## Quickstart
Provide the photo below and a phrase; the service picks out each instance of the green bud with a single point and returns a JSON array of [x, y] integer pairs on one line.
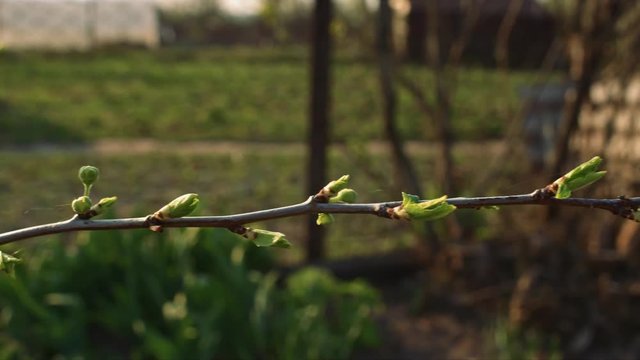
[[336, 185], [179, 207], [103, 205], [344, 196], [583, 175], [7, 262], [81, 205], [414, 209], [324, 219], [88, 174], [265, 238]]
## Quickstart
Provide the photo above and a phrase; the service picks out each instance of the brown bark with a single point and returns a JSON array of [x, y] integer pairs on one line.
[[417, 31], [404, 172], [442, 113]]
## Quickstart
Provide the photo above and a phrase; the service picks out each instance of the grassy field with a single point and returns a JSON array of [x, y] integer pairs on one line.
[[238, 94], [208, 95]]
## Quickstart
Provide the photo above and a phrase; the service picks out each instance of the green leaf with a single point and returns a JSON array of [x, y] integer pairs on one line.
[[414, 209], [8, 262], [582, 175], [344, 196], [563, 191], [265, 238], [585, 180], [324, 219], [336, 185], [409, 199]]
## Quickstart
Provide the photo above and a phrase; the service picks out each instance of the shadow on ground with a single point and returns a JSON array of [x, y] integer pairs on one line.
[[24, 126]]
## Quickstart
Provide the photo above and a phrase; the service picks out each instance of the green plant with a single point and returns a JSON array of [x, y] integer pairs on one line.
[[174, 302], [193, 293], [512, 343]]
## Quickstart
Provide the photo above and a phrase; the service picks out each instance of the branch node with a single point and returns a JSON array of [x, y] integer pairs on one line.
[[153, 223], [386, 211]]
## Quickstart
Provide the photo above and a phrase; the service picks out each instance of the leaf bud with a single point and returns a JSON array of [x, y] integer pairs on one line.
[[324, 219], [81, 205], [179, 207], [344, 196], [103, 205], [88, 175], [582, 175], [336, 185]]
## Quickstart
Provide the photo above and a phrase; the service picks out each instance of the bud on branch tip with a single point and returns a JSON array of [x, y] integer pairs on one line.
[[583, 175], [88, 175], [413, 208]]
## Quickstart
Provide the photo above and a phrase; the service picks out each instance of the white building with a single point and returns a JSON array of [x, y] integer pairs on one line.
[[77, 24]]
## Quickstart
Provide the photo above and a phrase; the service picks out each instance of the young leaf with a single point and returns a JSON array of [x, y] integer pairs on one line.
[[582, 175], [414, 209], [336, 185], [178, 207], [103, 205], [265, 238], [8, 262], [324, 219], [344, 196]]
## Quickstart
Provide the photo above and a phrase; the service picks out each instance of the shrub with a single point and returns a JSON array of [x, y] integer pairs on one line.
[[194, 293]]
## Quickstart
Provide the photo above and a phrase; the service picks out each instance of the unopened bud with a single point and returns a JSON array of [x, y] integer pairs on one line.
[[344, 195], [103, 205], [81, 205], [179, 207], [88, 175]]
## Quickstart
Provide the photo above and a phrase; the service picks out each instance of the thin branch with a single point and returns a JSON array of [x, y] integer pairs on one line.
[[621, 206]]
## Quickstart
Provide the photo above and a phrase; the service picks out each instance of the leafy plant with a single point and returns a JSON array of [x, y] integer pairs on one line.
[[191, 293]]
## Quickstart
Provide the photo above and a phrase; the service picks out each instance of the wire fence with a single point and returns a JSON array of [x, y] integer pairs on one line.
[[77, 24]]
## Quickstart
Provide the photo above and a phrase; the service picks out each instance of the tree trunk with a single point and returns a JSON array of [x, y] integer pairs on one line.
[[405, 174], [319, 109], [417, 31]]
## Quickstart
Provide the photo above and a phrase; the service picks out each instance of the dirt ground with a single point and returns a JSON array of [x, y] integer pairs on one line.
[[408, 332]]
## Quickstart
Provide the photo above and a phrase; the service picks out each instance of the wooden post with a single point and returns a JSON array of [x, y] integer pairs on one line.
[[319, 109]]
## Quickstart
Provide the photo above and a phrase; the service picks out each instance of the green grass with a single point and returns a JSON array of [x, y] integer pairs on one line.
[[236, 94]]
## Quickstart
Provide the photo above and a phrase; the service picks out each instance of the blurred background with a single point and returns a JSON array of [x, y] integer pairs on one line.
[[255, 104]]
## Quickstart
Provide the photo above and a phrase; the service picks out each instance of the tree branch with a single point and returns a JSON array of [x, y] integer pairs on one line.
[[621, 206]]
